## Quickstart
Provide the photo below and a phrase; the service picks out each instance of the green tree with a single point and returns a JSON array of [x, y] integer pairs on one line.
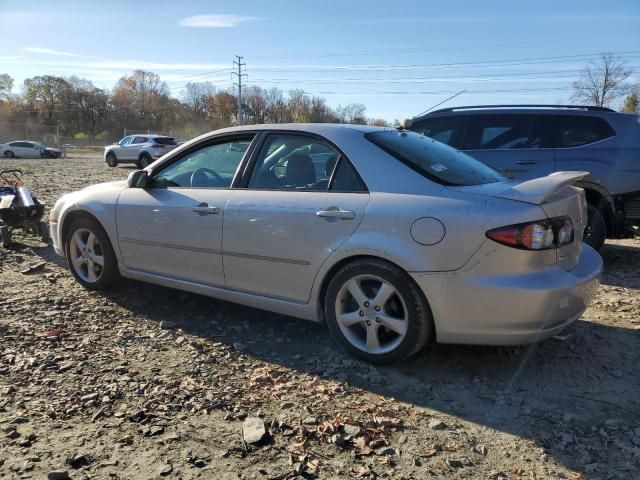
[[631, 103], [6, 84], [46, 94]]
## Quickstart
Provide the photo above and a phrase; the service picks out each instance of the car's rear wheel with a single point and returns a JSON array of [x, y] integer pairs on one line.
[[596, 232], [376, 312], [145, 160], [8, 154], [112, 160], [90, 255]]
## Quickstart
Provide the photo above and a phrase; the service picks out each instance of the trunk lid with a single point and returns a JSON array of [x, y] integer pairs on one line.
[[555, 196]]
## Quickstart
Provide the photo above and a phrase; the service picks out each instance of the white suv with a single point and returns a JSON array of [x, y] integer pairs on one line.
[[142, 150]]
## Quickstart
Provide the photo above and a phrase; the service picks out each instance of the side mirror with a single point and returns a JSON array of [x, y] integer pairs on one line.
[[138, 179]]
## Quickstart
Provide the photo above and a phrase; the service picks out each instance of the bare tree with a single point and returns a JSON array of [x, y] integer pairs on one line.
[[602, 81]]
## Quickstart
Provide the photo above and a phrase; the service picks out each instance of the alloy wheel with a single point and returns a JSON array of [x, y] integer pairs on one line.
[[371, 314], [86, 255]]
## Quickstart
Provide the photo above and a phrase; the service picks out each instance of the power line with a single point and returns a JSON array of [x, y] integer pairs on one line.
[[475, 64], [422, 49]]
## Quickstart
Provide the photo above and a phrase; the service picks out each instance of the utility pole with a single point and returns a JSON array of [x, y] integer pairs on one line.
[[238, 63]]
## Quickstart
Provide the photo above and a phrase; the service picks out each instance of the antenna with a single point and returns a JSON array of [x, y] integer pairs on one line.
[[444, 101]]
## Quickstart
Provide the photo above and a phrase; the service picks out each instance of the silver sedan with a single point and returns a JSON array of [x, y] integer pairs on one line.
[[392, 238]]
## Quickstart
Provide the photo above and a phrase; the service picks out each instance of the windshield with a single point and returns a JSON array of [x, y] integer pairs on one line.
[[434, 160]]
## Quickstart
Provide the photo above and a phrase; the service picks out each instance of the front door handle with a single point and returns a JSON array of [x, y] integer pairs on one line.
[[205, 209], [526, 162], [335, 212]]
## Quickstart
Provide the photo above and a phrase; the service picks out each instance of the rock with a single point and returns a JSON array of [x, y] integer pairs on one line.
[[253, 430], [25, 442], [200, 463], [388, 451], [287, 405], [11, 434], [453, 463], [77, 460], [352, 430], [310, 420], [153, 431], [88, 398], [435, 424], [58, 475], [27, 466], [337, 440], [17, 420], [166, 470]]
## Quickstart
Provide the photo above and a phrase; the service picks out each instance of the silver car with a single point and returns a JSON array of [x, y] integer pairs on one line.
[[392, 238], [139, 149], [22, 149]]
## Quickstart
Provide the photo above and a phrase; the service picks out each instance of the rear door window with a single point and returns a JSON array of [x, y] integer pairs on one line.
[[165, 140], [504, 132], [577, 130], [442, 129], [434, 160], [140, 140]]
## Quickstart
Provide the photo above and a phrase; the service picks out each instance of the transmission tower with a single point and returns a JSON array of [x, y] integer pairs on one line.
[[238, 63]]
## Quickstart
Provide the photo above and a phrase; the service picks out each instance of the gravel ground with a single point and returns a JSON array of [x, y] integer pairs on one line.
[[148, 382]]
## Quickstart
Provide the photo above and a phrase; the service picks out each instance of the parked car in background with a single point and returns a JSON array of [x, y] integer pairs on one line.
[[393, 238], [528, 141], [28, 149], [139, 149]]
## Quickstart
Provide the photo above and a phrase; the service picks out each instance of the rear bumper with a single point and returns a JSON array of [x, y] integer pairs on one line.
[[522, 308]]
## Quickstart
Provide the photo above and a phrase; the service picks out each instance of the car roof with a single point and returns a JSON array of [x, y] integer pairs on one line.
[[522, 109], [317, 128]]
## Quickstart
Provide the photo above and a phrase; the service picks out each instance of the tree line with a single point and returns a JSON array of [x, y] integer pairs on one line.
[[74, 108], [142, 101]]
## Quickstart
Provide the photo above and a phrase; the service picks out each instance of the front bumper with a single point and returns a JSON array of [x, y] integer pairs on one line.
[[56, 240], [475, 308]]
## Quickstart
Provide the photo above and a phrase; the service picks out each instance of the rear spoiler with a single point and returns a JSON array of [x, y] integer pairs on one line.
[[539, 190]]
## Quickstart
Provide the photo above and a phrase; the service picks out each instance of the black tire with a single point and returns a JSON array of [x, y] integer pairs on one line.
[[109, 274], [9, 154], [420, 321], [112, 160], [596, 232], [43, 231], [5, 236], [145, 160]]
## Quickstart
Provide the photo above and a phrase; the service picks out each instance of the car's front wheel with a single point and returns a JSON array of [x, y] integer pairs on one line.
[[8, 154], [112, 160], [376, 312], [90, 255]]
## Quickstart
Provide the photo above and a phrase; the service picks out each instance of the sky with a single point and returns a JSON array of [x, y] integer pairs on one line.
[[396, 58]]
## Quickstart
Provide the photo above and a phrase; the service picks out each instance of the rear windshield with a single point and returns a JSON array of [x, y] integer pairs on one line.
[[165, 140], [434, 160]]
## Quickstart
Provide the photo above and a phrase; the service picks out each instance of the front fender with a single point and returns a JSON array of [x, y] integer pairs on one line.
[[99, 203]]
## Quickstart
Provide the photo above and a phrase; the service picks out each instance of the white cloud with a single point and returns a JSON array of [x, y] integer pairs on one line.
[[214, 21], [49, 51]]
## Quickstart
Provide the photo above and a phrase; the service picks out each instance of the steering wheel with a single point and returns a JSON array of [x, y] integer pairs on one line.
[[199, 177]]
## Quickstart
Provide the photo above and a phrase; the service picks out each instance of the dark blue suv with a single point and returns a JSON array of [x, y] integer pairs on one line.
[[528, 141]]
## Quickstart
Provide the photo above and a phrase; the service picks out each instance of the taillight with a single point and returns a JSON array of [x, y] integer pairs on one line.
[[538, 235]]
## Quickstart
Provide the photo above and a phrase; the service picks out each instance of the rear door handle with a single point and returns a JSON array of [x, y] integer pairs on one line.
[[526, 162], [335, 212], [204, 209]]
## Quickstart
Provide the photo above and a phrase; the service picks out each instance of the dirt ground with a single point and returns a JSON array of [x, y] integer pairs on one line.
[[148, 382]]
